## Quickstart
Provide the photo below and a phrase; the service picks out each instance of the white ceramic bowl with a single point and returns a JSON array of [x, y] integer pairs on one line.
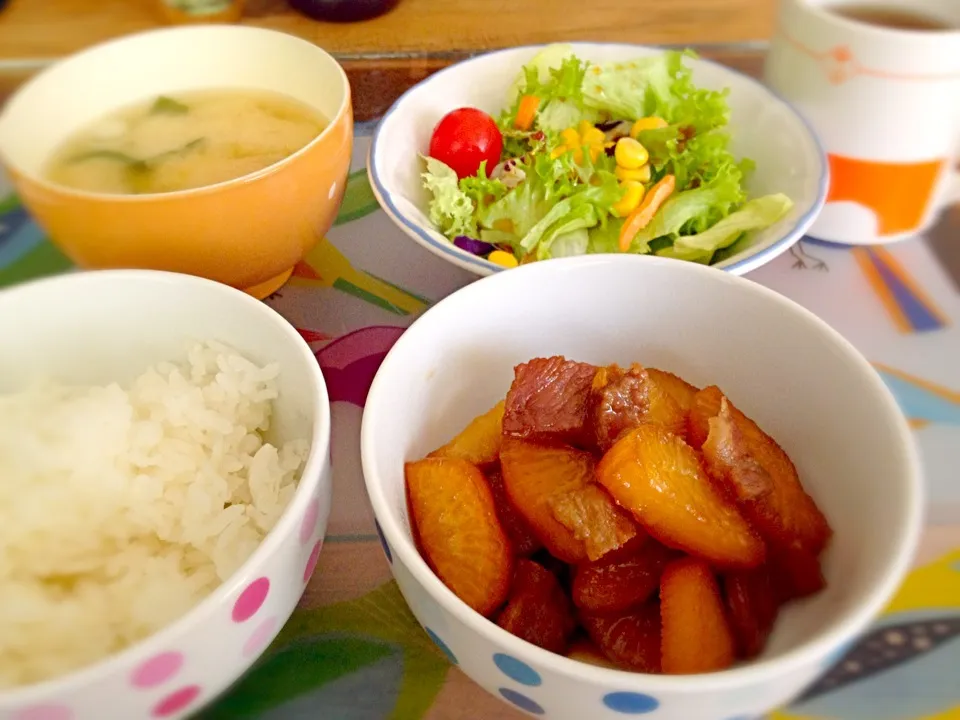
[[765, 128], [799, 379], [103, 326]]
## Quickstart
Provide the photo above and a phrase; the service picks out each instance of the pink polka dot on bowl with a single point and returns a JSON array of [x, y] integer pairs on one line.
[[309, 522], [251, 599], [312, 561], [260, 638], [44, 712], [157, 670], [176, 701]]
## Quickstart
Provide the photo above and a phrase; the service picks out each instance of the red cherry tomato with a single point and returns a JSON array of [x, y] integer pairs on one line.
[[464, 138]]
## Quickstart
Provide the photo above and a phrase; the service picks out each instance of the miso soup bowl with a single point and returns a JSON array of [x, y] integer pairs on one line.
[[797, 377], [249, 232]]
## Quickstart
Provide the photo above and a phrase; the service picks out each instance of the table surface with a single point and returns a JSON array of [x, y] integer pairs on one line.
[[900, 305], [31, 29]]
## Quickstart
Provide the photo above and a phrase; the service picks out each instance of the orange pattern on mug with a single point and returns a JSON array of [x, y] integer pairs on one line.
[[840, 65], [897, 193]]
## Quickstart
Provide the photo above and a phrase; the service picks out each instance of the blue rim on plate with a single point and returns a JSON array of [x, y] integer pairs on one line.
[[465, 259]]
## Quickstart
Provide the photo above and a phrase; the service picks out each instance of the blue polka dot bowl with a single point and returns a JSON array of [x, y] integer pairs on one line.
[[801, 381]]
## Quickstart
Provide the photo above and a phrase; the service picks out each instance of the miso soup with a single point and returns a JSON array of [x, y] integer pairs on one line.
[[184, 141]]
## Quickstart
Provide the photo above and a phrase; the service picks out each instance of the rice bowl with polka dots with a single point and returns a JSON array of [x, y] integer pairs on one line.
[[175, 487], [164, 491]]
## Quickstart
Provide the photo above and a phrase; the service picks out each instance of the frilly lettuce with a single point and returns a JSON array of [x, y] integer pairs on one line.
[[451, 209], [538, 72], [659, 85], [481, 189], [556, 76]]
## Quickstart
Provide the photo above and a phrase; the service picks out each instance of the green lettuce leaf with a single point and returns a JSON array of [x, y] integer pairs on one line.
[[695, 145], [553, 189], [660, 85], [558, 212], [686, 104], [482, 190], [549, 203], [605, 237], [570, 244], [559, 114], [555, 75], [537, 72], [556, 241], [692, 211], [451, 209], [584, 208], [559, 176], [499, 237], [627, 90], [754, 215], [523, 207]]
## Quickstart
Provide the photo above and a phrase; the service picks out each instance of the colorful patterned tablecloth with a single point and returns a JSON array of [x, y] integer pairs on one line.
[[353, 651]]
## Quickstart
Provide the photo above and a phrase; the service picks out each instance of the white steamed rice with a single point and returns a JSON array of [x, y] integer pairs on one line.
[[121, 508]]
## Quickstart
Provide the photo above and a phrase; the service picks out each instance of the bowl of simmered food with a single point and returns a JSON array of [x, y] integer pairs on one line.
[[219, 151], [635, 485], [165, 490]]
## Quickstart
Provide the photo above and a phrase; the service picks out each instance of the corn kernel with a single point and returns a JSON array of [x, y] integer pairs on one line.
[[557, 152], [503, 259], [595, 152], [585, 126], [641, 175], [647, 123], [570, 137], [592, 136], [503, 225], [578, 155], [633, 193], [630, 154]]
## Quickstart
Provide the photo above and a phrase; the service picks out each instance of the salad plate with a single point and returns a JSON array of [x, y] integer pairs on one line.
[[594, 148]]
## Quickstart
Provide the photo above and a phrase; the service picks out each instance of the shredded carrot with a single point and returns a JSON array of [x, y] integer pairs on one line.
[[526, 112], [641, 217]]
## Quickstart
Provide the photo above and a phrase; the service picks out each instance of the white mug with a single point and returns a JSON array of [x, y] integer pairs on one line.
[[885, 103]]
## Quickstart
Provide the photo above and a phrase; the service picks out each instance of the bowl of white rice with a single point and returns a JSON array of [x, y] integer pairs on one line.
[[164, 491]]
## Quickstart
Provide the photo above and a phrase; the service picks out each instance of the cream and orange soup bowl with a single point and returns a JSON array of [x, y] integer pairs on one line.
[[218, 151]]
